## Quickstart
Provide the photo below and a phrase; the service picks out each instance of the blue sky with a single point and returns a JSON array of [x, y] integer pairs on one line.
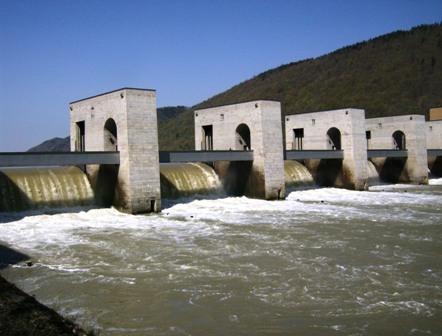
[[53, 52]]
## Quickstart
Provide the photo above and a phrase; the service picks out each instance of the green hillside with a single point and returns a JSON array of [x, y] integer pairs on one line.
[[394, 74]]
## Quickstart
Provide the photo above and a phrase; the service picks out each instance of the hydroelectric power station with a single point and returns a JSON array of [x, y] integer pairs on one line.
[[239, 150]]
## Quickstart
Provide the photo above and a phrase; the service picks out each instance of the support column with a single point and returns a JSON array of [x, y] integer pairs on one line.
[[253, 126], [342, 129], [124, 120], [401, 132]]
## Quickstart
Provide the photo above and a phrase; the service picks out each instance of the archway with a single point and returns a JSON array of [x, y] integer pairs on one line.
[[399, 140], [334, 139], [242, 137], [110, 136]]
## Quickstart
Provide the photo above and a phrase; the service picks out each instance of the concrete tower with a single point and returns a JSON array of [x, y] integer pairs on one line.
[[253, 126], [124, 120], [332, 130], [400, 133]]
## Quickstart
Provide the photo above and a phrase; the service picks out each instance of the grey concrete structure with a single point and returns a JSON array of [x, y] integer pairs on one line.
[[206, 156], [124, 120], [434, 143], [253, 126], [342, 129], [401, 133], [39, 159]]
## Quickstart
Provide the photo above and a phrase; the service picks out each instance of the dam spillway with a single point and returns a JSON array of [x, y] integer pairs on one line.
[[63, 187], [188, 179], [296, 175], [35, 188]]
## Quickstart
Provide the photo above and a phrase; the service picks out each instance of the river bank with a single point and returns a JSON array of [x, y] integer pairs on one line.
[[21, 314]]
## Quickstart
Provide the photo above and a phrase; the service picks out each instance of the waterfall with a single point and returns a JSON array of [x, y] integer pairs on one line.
[[373, 175], [187, 179], [296, 175], [34, 188]]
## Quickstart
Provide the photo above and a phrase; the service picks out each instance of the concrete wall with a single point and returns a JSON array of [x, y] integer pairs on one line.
[[134, 186], [414, 169], [434, 141], [229, 124], [434, 134], [318, 131]]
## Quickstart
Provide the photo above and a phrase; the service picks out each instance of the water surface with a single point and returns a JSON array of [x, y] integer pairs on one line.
[[322, 262]]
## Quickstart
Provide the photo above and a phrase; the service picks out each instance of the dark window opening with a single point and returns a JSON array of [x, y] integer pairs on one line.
[[334, 139], [242, 138], [79, 138], [399, 140], [207, 138], [152, 205], [110, 136], [368, 137], [298, 134]]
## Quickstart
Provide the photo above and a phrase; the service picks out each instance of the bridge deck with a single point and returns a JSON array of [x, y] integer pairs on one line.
[[313, 154], [434, 152], [206, 156], [35, 159], [387, 153]]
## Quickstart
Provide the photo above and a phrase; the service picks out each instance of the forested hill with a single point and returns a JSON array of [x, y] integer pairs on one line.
[[394, 74]]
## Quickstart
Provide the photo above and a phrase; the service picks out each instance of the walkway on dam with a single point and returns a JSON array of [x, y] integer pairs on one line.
[[36, 159]]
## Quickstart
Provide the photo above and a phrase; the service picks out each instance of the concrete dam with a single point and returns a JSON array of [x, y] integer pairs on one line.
[[239, 150], [64, 187]]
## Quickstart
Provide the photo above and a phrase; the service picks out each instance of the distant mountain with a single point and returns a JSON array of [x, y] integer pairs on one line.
[[53, 145], [394, 74], [63, 145], [169, 112]]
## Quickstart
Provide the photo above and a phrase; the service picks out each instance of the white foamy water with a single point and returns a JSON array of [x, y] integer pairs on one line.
[[322, 262]]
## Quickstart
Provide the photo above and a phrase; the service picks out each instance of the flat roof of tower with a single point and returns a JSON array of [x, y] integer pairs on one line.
[[105, 93], [238, 103]]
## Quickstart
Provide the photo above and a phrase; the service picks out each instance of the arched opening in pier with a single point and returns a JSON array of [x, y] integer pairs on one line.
[[242, 138], [334, 139], [110, 136], [399, 140]]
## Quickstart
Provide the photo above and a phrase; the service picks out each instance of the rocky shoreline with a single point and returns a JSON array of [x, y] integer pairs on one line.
[[21, 314]]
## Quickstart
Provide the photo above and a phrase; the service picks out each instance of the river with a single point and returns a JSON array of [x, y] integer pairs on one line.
[[322, 262]]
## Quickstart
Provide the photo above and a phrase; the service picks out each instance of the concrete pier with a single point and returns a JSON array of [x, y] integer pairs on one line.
[[400, 133], [256, 126], [434, 142], [336, 130], [124, 120]]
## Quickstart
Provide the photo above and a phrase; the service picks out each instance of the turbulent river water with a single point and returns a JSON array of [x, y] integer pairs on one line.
[[322, 262]]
